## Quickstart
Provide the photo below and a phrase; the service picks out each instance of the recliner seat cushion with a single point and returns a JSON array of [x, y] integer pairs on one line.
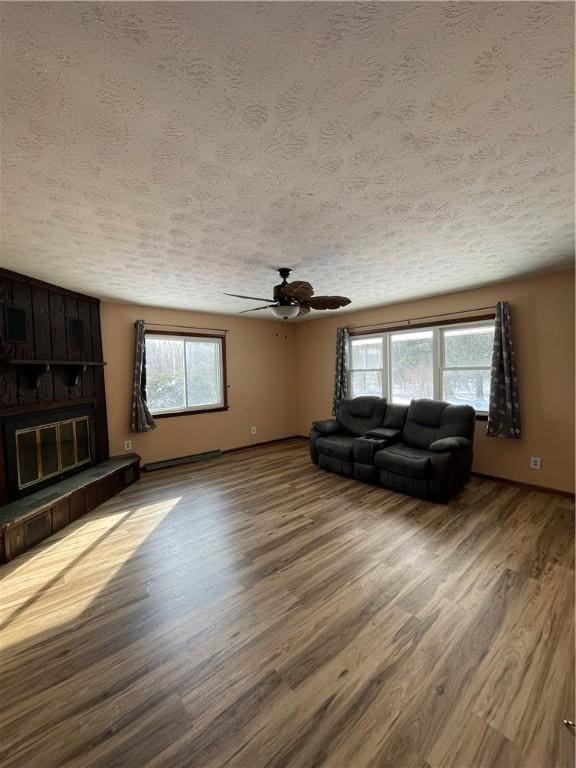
[[402, 459], [337, 446]]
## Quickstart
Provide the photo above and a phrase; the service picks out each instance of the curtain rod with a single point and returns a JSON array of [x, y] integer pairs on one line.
[[189, 327], [411, 320]]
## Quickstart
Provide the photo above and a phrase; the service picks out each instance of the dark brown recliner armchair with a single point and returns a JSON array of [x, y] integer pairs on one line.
[[332, 440], [433, 457], [423, 450]]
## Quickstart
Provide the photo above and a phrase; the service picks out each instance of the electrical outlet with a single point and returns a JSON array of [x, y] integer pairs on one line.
[[535, 462], [127, 445], [253, 430]]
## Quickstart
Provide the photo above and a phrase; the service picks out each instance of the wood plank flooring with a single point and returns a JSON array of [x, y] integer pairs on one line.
[[255, 611]]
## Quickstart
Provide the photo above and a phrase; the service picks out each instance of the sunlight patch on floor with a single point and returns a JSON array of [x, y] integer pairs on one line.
[[77, 566]]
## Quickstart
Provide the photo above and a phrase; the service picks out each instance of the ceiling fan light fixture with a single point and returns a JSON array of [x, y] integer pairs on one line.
[[295, 299], [286, 311]]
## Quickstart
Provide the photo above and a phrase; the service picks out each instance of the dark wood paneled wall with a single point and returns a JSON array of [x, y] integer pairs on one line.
[[48, 308]]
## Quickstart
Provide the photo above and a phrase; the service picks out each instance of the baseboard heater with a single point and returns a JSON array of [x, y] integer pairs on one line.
[[192, 459]]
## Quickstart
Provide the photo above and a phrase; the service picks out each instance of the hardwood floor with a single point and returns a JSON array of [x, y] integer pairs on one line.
[[255, 611]]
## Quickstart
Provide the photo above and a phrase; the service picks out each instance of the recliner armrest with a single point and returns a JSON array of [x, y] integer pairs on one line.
[[327, 427], [450, 445], [384, 433]]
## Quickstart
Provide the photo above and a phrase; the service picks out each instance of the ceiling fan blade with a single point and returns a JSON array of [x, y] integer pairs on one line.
[[299, 290], [304, 309], [328, 302], [256, 309], [239, 296]]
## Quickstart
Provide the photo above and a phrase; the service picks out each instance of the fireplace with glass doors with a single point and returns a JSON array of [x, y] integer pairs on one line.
[[42, 448]]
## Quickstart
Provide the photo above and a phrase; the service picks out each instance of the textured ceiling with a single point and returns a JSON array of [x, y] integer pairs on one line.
[[163, 153]]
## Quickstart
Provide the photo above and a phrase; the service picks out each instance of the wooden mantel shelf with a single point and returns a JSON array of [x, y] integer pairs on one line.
[[35, 368]]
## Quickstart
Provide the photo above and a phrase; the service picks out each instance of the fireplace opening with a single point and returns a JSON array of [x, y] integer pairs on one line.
[[44, 448], [46, 451]]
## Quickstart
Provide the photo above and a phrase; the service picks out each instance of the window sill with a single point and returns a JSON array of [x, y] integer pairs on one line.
[[481, 417], [170, 414]]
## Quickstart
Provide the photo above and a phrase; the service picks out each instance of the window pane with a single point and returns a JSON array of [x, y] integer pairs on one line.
[[366, 353], [468, 347], [366, 383], [165, 387], [411, 362], [203, 373], [467, 388]]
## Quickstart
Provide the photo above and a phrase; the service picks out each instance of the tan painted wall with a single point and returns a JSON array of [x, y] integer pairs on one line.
[[280, 377], [543, 322], [261, 379]]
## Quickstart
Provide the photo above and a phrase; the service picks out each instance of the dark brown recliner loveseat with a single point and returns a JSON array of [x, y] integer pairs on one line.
[[424, 449]]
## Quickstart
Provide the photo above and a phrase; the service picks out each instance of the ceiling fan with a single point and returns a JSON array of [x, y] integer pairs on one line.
[[294, 299]]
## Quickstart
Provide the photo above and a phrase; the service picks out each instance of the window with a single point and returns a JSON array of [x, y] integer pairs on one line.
[[466, 359], [411, 365], [366, 369], [449, 362], [184, 373]]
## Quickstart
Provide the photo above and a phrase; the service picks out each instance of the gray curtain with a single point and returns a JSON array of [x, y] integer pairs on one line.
[[504, 409], [341, 371], [142, 420]]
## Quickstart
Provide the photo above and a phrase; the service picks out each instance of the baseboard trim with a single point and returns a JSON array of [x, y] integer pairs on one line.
[[180, 461], [194, 458], [264, 443], [528, 486]]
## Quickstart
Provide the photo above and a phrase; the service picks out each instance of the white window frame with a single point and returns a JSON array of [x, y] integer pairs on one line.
[[222, 404], [385, 366], [438, 355]]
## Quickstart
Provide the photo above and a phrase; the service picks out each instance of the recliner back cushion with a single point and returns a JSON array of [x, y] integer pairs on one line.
[[458, 421], [395, 416], [430, 420], [361, 414]]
